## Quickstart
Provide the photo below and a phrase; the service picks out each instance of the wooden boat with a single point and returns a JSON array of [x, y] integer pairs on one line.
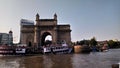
[[6, 50], [56, 49], [12, 50], [105, 48], [20, 50]]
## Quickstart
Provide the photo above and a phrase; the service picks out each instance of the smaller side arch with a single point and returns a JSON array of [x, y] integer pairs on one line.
[[29, 40]]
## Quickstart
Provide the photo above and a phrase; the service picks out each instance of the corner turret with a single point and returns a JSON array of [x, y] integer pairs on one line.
[[37, 17], [55, 16], [10, 38], [10, 32]]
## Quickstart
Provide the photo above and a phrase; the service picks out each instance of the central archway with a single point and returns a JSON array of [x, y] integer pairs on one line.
[[43, 38]]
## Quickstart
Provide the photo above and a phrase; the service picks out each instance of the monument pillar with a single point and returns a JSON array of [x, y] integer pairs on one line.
[[36, 32], [54, 36]]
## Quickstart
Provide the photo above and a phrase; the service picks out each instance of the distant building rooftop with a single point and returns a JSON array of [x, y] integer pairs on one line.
[[26, 22]]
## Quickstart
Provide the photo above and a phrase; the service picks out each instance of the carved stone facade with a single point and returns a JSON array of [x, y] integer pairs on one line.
[[35, 34]]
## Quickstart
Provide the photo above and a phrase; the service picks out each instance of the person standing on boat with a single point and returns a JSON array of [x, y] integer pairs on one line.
[[52, 50], [44, 49]]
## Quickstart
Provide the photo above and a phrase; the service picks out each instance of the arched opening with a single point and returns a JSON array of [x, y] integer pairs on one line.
[[49, 37], [29, 41], [46, 39], [29, 44]]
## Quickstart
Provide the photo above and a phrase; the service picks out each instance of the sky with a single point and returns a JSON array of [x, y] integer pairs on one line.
[[88, 18]]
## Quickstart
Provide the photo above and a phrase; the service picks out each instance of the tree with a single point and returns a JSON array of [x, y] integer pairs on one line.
[[113, 44], [93, 42], [83, 42]]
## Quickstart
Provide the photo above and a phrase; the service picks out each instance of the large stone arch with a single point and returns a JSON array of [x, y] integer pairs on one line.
[[43, 36]]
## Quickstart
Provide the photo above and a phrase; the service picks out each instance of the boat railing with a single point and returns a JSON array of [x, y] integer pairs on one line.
[[54, 48]]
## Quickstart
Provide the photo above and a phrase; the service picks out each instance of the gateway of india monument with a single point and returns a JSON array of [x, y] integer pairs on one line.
[[35, 34]]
